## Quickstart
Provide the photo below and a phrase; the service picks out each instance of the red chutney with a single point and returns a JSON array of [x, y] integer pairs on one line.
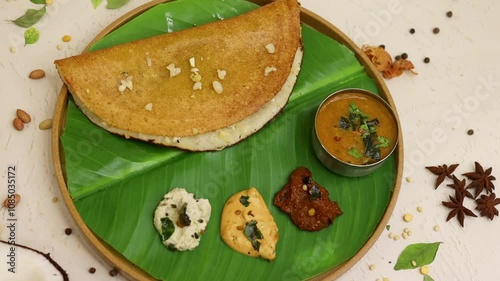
[[306, 202], [343, 143]]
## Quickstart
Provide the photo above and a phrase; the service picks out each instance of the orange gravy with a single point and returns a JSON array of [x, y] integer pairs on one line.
[[338, 141]]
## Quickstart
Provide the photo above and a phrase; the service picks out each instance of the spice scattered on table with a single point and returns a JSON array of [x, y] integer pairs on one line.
[[442, 171], [481, 180], [427, 60], [385, 64], [113, 272], [435, 30], [449, 14], [486, 205], [92, 270], [412, 30], [470, 132], [68, 231]]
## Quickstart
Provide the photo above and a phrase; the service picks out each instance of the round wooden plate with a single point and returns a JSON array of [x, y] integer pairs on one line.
[[130, 270]]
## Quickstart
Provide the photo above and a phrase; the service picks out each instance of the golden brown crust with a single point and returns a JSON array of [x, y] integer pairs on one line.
[[235, 45]]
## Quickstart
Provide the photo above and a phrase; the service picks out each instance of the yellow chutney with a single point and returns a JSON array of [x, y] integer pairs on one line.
[[356, 128]]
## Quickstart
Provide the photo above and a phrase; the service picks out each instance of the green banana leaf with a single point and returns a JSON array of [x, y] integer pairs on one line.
[[116, 184]]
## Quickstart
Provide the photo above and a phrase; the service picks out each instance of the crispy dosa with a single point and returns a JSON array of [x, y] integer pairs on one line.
[[136, 90]]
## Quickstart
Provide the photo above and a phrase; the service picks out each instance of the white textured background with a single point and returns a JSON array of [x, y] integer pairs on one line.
[[457, 91]]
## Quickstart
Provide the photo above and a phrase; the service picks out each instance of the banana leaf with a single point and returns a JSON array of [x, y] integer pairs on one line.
[[116, 184]]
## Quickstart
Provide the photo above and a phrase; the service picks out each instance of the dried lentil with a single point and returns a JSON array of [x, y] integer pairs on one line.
[[66, 38], [408, 217], [424, 270]]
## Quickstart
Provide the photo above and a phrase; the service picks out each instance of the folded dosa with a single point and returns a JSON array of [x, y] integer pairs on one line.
[[136, 90]]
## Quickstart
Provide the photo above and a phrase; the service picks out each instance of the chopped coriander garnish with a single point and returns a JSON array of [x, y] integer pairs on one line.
[[383, 142], [354, 153]]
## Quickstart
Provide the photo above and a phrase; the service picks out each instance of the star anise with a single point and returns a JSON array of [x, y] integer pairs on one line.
[[459, 186], [458, 209], [486, 205], [442, 172], [481, 179]]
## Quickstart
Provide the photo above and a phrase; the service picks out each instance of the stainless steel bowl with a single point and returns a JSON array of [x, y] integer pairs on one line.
[[338, 166]]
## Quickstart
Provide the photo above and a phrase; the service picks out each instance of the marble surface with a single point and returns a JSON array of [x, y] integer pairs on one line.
[[458, 90]]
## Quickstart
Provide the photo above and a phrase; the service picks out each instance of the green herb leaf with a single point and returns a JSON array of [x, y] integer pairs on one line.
[[184, 219], [421, 253], [167, 228], [253, 233], [428, 278], [344, 123], [315, 193], [244, 200], [31, 17], [96, 3], [388, 227], [31, 35], [383, 142], [115, 4], [354, 153], [41, 2]]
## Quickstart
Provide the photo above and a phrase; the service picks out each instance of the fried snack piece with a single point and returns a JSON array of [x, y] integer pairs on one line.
[[248, 227], [306, 202]]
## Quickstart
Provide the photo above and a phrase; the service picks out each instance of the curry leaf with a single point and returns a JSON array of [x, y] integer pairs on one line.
[[167, 228], [244, 200], [41, 2], [417, 255], [31, 17], [31, 35], [428, 278], [115, 4], [96, 3]]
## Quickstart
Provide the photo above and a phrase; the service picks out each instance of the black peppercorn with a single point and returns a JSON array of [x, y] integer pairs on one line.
[[470, 132], [68, 231], [92, 270], [113, 272], [404, 56], [427, 60], [435, 30], [449, 14], [412, 30]]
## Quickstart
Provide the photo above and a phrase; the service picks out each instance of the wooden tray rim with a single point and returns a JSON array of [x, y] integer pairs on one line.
[[130, 270]]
